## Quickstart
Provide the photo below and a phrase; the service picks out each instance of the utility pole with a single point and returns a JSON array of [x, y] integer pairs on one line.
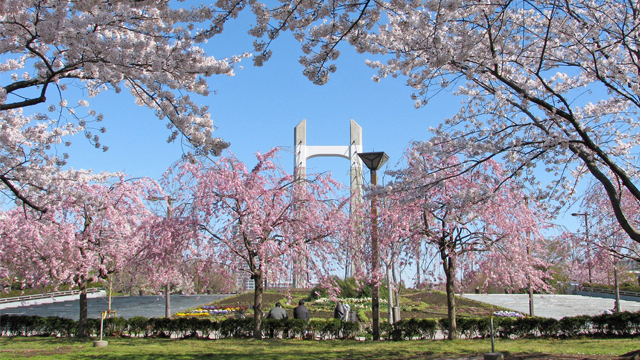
[[586, 225]]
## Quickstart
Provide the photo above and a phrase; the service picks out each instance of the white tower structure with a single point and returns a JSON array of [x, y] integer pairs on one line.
[[303, 152]]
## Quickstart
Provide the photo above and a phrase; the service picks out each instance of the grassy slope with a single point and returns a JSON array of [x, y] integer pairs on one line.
[[414, 304]]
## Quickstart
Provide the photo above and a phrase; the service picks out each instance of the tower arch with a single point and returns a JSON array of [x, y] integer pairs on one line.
[[303, 152]]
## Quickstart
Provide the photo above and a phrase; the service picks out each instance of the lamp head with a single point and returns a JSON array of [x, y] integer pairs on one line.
[[374, 160]]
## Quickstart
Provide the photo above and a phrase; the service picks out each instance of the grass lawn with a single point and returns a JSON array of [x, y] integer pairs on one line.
[[125, 348]]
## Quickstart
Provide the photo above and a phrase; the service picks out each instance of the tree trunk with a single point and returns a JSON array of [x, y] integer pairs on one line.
[[418, 270], [109, 300], [83, 321], [389, 295], [397, 281], [257, 305], [449, 271], [167, 301]]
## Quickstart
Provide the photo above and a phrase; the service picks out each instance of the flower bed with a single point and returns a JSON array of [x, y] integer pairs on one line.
[[508, 314], [212, 310]]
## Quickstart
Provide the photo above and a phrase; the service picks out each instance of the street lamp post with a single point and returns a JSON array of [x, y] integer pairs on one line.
[[374, 161], [586, 226]]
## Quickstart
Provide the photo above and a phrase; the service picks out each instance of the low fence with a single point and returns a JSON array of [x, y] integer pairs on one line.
[[45, 295], [605, 293]]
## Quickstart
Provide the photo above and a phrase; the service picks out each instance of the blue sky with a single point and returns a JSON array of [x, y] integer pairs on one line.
[[258, 108]]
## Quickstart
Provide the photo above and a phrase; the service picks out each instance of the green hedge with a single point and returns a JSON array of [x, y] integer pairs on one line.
[[414, 328], [617, 324]]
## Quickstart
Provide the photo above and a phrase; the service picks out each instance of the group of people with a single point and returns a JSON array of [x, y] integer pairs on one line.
[[299, 312], [341, 312]]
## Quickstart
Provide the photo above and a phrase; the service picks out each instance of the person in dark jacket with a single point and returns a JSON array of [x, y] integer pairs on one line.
[[301, 312], [339, 311], [278, 312]]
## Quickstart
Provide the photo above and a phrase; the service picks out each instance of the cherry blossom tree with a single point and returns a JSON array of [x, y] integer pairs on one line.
[[605, 233], [151, 48], [518, 264], [568, 253], [262, 222], [462, 215], [602, 240], [90, 233], [171, 255], [543, 83]]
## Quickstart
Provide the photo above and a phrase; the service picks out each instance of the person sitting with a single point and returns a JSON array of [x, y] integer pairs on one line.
[[301, 312], [278, 312], [339, 311], [347, 312]]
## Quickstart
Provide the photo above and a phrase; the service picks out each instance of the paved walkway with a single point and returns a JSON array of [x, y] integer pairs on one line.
[[126, 306], [554, 306]]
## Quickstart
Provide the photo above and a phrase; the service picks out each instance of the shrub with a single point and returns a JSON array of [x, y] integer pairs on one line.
[[239, 328], [619, 324], [183, 327], [405, 329], [333, 328], [575, 325], [22, 325], [115, 326], [428, 328], [57, 326], [526, 327], [160, 327], [443, 324], [273, 327], [504, 326], [350, 329], [467, 327], [205, 327], [295, 327], [93, 327], [139, 325]]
